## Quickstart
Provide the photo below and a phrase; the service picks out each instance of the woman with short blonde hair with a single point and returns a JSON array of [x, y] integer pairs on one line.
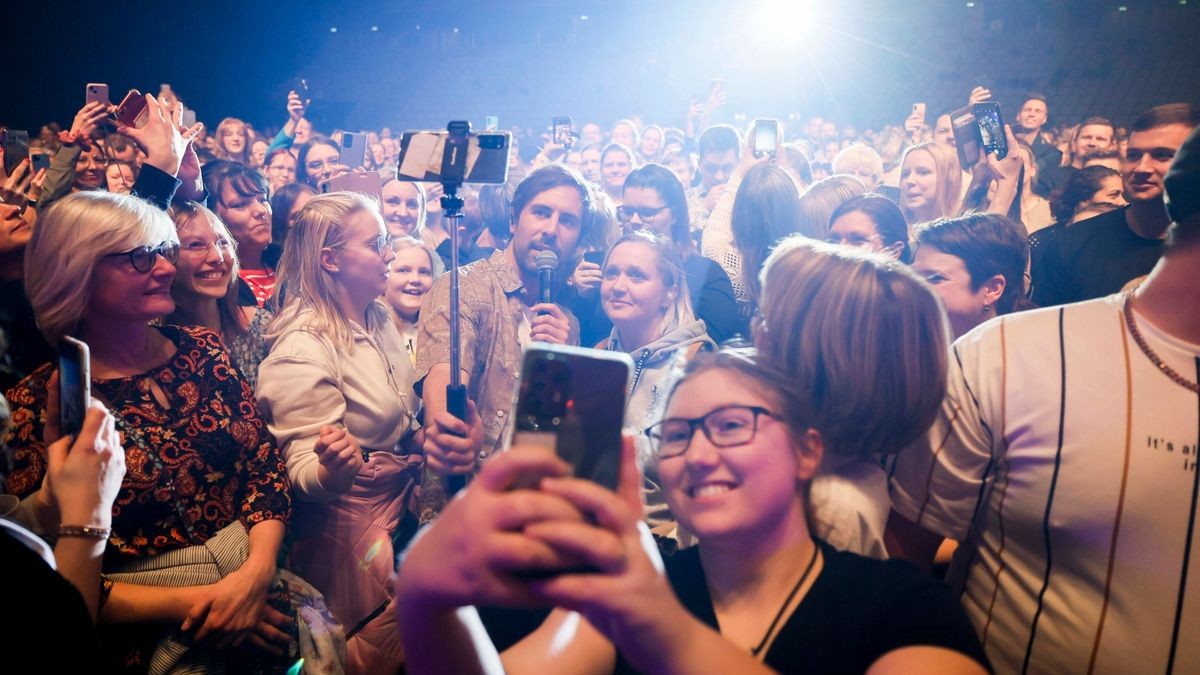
[[202, 467], [867, 338], [337, 393]]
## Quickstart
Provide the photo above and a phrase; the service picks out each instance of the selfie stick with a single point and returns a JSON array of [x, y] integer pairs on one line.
[[454, 163]]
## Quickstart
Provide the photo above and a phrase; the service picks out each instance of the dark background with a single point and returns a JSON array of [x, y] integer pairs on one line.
[[856, 61]]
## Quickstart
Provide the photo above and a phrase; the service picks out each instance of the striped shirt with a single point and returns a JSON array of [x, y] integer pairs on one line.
[[1065, 462]]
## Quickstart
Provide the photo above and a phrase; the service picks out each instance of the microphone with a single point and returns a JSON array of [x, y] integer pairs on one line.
[[546, 262]]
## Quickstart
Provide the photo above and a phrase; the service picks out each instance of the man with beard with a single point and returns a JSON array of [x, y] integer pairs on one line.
[[1102, 255], [553, 209]]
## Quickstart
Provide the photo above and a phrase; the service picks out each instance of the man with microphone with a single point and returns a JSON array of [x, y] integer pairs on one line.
[[506, 302]]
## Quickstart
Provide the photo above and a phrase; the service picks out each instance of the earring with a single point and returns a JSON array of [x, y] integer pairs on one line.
[[987, 308]]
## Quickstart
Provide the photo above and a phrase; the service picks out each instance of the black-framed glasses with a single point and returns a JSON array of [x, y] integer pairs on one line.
[[724, 427], [143, 257], [643, 212]]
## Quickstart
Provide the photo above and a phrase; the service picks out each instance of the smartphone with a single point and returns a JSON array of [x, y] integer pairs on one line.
[[74, 384], [132, 111], [766, 135], [571, 401], [422, 157], [189, 117], [966, 137], [919, 111], [562, 131], [40, 161], [491, 123], [595, 257], [96, 91], [369, 183], [16, 148], [990, 124], [353, 150]]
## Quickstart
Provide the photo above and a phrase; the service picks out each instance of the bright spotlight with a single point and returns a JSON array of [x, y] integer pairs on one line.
[[788, 19]]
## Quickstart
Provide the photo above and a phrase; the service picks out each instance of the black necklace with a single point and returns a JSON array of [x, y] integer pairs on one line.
[[791, 596]]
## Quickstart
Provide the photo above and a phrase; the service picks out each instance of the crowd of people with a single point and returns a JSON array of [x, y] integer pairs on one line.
[[895, 362]]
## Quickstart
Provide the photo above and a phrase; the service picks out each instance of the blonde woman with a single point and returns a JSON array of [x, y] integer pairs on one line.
[[201, 468], [644, 293], [337, 393], [930, 183], [866, 339], [205, 288]]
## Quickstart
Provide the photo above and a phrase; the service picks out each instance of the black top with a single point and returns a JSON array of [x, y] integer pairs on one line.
[[22, 346], [857, 610], [1090, 259], [45, 626], [713, 300]]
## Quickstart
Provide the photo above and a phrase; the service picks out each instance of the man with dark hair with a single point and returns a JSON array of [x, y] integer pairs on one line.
[[553, 209], [1102, 255], [1031, 120], [1064, 458], [720, 149]]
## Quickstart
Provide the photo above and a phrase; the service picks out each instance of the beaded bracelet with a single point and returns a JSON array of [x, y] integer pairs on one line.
[[85, 531]]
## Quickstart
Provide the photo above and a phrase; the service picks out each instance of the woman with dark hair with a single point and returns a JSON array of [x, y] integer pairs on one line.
[[1088, 186], [238, 195], [765, 210], [874, 223], [976, 265], [654, 200], [279, 166], [318, 160], [285, 204]]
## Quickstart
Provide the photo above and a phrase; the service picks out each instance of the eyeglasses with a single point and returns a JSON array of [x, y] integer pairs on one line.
[[199, 248], [643, 212], [725, 427], [143, 257], [379, 244]]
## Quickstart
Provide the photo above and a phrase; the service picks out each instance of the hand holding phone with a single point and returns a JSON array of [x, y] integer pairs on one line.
[[562, 132]]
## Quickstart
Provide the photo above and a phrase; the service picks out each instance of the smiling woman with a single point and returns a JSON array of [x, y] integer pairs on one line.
[[205, 287], [200, 464]]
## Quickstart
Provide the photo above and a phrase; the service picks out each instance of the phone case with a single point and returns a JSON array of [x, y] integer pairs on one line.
[[133, 110], [571, 401], [74, 384], [966, 137], [96, 91], [353, 151]]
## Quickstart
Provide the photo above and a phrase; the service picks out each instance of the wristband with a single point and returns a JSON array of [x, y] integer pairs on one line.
[[85, 531]]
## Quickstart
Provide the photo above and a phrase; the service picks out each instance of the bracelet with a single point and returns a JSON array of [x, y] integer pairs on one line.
[[85, 531]]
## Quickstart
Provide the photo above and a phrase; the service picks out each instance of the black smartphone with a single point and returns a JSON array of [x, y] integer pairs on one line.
[[766, 135], [990, 124], [595, 257], [563, 131], [16, 148], [74, 385], [966, 137], [571, 401], [40, 161]]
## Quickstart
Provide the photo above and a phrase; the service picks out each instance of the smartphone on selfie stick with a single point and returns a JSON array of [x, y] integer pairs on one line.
[[453, 158]]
